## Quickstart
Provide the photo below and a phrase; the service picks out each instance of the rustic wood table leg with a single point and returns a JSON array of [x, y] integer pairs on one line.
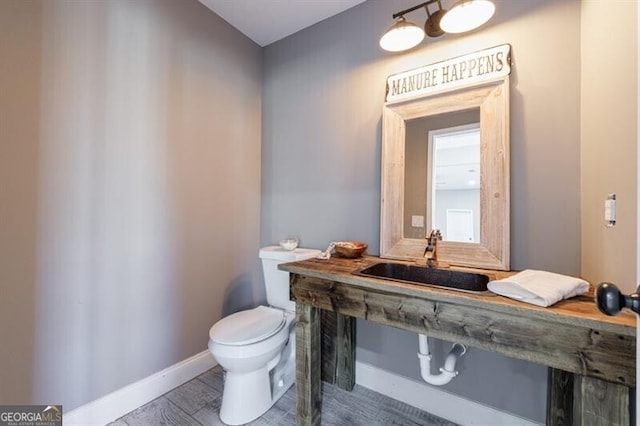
[[346, 352], [559, 398], [309, 390], [328, 332], [600, 403], [578, 400]]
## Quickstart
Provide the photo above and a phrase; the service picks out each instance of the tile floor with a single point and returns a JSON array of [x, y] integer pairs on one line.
[[197, 403]]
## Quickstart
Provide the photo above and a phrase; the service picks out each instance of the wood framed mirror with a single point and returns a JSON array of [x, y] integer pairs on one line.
[[491, 251]]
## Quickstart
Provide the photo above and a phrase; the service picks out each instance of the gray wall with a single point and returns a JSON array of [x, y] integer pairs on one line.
[[322, 101], [609, 146], [129, 190]]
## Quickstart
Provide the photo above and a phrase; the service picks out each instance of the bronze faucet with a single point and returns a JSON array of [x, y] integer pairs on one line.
[[431, 252]]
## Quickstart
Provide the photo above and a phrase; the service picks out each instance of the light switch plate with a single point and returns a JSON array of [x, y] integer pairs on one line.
[[417, 221]]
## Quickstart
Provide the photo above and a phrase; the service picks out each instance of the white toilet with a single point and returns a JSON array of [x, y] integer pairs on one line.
[[256, 347]]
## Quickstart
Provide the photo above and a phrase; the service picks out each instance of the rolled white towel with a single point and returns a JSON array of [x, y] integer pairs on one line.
[[540, 288]]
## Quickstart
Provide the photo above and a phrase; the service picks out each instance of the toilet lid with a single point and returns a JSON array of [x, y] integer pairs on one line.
[[245, 327]]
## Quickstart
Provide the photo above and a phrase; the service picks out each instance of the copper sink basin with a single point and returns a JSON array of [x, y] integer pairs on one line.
[[427, 276]]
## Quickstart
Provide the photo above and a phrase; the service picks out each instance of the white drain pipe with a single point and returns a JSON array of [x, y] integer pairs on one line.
[[448, 372]]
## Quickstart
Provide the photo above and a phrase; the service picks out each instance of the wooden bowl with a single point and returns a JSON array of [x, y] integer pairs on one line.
[[350, 249]]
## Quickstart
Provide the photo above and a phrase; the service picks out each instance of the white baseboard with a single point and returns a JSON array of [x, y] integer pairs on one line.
[[116, 404], [434, 400]]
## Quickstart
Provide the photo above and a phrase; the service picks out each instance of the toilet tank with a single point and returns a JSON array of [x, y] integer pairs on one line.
[[276, 282]]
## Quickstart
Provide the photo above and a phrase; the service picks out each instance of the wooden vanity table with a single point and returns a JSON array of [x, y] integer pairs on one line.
[[591, 357]]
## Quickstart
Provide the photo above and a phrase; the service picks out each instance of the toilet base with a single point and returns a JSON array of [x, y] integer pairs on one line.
[[247, 396]]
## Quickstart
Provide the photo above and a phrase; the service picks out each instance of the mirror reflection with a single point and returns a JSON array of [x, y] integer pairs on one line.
[[455, 182], [442, 176]]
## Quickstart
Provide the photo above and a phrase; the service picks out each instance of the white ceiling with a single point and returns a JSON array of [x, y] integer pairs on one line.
[[267, 21]]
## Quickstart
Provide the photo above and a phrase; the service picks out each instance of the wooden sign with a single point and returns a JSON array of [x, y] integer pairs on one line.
[[468, 70]]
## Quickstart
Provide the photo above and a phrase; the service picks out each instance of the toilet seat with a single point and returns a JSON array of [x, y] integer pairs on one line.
[[247, 327]]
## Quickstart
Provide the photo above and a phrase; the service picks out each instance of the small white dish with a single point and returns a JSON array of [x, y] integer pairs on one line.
[[289, 244]]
